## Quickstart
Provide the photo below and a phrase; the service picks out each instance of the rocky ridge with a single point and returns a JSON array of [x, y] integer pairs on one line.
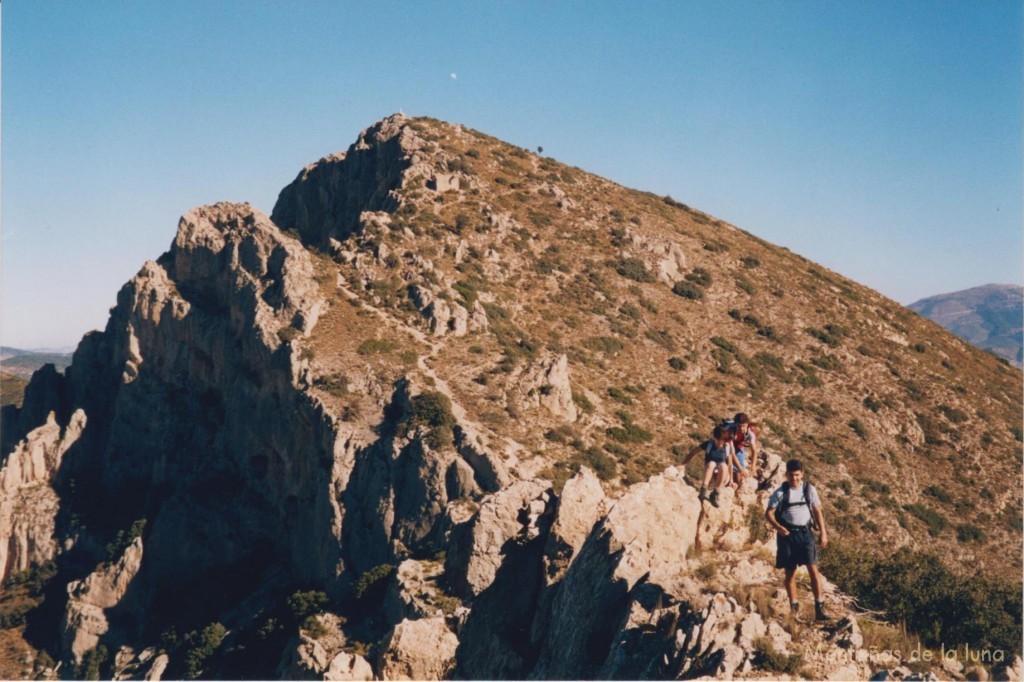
[[419, 388]]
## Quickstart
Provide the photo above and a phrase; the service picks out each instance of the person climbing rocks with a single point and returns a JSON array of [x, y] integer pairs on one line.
[[719, 457], [745, 444], [792, 510]]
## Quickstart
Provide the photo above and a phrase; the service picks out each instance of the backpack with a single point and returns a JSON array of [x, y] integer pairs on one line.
[[785, 504], [709, 446]]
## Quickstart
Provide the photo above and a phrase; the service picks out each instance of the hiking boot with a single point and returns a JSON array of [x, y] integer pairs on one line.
[[713, 498], [819, 611], [703, 494]]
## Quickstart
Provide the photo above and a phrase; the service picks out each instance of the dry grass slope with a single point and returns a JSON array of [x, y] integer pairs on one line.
[[672, 319]]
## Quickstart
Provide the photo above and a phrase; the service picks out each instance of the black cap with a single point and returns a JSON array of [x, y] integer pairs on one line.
[[794, 465]]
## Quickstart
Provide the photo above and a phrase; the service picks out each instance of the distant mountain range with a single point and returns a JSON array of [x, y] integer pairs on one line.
[[22, 363], [989, 316]]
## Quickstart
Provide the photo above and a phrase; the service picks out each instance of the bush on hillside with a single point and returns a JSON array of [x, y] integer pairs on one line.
[[634, 269], [688, 291], [918, 589]]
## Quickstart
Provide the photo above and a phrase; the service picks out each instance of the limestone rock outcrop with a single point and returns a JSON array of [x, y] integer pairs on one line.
[[28, 502], [478, 546], [546, 384], [85, 616], [419, 650]]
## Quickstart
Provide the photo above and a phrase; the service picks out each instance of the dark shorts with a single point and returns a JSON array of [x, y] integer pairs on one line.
[[716, 460], [799, 548]]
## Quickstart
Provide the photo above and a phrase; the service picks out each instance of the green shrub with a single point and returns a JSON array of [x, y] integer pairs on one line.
[[634, 269], [935, 521], [872, 404], [699, 276], [918, 589], [200, 646], [723, 358], [688, 291], [376, 346], [287, 334], [767, 658], [809, 377], [467, 289], [604, 344], [335, 384], [629, 311], [94, 658], [969, 533], [750, 262], [952, 414], [677, 363], [705, 571], [617, 394], [434, 411], [828, 458], [124, 539], [673, 392], [938, 493], [370, 586], [832, 335], [628, 432], [661, 337], [583, 402], [602, 464], [858, 428], [724, 344], [302, 605], [827, 362]]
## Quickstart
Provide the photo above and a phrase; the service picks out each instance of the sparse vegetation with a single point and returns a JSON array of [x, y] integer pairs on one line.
[[918, 589], [767, 658], [688, 291], [376, 346], [434, 411], [634, 269], [629, 432]]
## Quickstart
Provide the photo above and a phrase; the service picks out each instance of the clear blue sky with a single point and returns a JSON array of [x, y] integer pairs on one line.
[[880, 139]]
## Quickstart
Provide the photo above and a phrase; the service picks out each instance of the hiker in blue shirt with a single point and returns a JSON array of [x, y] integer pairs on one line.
[[719, 458], [793, 509]]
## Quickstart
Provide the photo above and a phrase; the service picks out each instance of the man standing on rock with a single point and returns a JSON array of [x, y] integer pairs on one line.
[[791, 509]]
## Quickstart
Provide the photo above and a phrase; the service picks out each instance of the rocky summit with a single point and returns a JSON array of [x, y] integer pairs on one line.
[[423, 421]]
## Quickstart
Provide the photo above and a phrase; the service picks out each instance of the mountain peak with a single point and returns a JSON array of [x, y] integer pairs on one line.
[[436, 401]]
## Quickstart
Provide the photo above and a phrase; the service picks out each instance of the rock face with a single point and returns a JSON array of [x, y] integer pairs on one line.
[[359, 440], [28, 504], [85, 619], [362, 179]]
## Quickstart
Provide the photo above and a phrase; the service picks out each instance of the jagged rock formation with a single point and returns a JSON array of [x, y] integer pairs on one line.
[[29, 505], [418, 423]]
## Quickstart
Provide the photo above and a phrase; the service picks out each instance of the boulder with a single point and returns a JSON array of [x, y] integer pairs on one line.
[[643, 537], [546, 384], [346, 666], [580, 505], [413, 592], [418, 650], [477, 548]]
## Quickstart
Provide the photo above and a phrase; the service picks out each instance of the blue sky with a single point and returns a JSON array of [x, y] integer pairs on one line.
[[880, 139]]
